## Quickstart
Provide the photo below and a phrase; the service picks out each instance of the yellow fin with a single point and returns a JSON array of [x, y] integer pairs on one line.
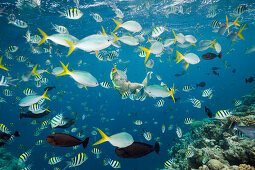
[[86, 88], [48, 109], [171, 92], [115, 37], [166, 29], [2, 66], [148, 40], [34, 70], [235, 22], [240, 31], [194, 44], [45, 36], [118, 25], [104, 33], [130, 35], [179, 56], [96, 53], [115, 69], [213, 44], [104, 138], [47, 71], [147, 51], [186, 65], [174, 37], [71, 48], [227, 23], [44, 95], [66, 71]]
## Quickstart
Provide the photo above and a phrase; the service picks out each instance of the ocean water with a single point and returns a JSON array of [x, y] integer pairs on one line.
[[103, 108]]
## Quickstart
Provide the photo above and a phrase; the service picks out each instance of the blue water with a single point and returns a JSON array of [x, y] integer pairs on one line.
[[108, 104]]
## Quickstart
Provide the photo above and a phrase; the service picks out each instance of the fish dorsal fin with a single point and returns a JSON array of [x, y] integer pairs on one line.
[[44, 95], [104, 33]]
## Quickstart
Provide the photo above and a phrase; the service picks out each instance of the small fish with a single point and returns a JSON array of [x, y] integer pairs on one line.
[[125, 95], [77, 160], [189, 153], [60, 29], [138, 122], [55, 121], [24, 157], [237, 103], [8, 92], [250, 79], [147, 135], [179, 132], [187, 88], [239, 133], [160, 103], [18, 23], [168, 163], [201, 84], [216, 73], [112, 163], [210, 56], [209, 113], [163, 128], [158, 31], [207, 92], [97, 152], [97, 17], [222, 114], [142, 54], [39, 142], [188, 121], [240, 10], [54, 160], [12, 49], [216, 24], [196, 103], [4, 129], [105, 84], [28, 92], [72, 13]]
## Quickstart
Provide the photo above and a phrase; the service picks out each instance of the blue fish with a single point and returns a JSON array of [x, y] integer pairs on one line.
[[248, 131]]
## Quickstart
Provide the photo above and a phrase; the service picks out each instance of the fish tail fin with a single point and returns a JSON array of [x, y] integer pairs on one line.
[[194, 44], [227, 23], [47, 109], [235, 22], [72, 47], [148, 39], [179, 56], [16, 133], [104, 138], [174, 37], [34, 70], [220, 55], [186, 65], [240, 31], [45, 36], [117, 25], [66, 71], [104, 33], [171, 92], [2, 66], [212, 45], [147, 51], [157, 147], [86, 88], [44, 95], [47, 71], [85, 142], [115, 37]]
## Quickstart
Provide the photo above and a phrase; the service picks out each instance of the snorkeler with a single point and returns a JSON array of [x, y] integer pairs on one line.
[[122, 85]]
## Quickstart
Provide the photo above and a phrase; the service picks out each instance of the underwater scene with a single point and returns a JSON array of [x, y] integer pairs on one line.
[[127, 84]]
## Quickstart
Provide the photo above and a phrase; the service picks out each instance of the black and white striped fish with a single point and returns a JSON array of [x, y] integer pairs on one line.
[[207, 92], [72, 13], [160, 103], [12, 49], [168, 163], [216, 24], [222, 114], [100, 57], [21, 59], [240, 10], [196, 103], [18, 23], [41, 101], [8, 92], [8, 55], [112, 55], [112, 163], [44, 80], [179, 132], [24, 157], [37, 77], [97, 152], [97, 17], [39, 142], [38, 84], [29, 92], [54, 160], [105, 84], [125, 95], [187, 88], [60, 29], [77, 160], [147, 135], [4, 129], [55, 121], [158, 31], [35, 107], [4, 81], [188, 121]]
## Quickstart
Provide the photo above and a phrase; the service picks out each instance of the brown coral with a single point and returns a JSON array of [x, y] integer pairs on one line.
[[248, 121], [245, 167], [231, 121]]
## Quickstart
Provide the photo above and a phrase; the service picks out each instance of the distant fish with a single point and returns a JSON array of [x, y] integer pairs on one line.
[[250, 79], [248, 131], [201, 84], [210, 56], [216, 73], [137, 150], [65, 140], [215, 68], [50, 88], [222, 114], [5, 137], [209, 113], [188, 121], [179, 132], [77, 160]]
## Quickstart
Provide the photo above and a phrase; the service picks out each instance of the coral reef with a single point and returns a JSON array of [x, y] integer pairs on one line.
[[215, 144], [8, 161]]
